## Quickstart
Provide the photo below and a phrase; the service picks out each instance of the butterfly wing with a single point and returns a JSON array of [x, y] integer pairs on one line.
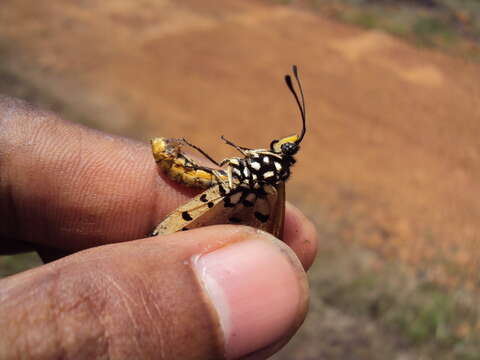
[[264, 210], [193, 211], [278, 214], [243, 206]]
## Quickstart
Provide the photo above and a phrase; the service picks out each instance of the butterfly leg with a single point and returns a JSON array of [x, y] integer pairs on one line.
[[230, 176], [241, 149], [201, 151]]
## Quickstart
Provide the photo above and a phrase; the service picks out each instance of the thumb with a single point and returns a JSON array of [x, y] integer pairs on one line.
[[211, 293]]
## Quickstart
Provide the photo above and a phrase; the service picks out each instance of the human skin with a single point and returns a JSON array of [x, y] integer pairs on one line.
[[217, 292]]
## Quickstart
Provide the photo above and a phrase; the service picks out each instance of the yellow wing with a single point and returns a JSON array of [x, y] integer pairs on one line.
[[262, 210]]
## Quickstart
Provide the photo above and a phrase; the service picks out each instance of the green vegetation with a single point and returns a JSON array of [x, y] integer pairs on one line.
[[438, 322], [450, 25], [13, 264]]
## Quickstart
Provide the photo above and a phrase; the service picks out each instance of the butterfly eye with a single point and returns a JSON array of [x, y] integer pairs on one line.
[[290, 148]]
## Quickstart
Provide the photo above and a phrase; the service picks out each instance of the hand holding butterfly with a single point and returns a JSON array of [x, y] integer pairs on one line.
[[209, 293]]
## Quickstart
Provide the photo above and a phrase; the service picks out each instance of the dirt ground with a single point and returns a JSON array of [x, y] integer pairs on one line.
[[391, 161]]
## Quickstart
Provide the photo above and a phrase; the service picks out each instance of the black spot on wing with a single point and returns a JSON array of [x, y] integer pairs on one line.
[[210, 204], [261, 193], [203, 198], [184, 229], [260, 216], [222, 190], [247, 203], [227, 202], [186, 216]]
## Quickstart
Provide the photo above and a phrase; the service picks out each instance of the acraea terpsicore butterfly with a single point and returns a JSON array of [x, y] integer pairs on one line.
[[247, 190]]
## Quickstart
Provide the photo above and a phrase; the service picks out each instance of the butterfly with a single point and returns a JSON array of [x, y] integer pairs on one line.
[[247, 190]]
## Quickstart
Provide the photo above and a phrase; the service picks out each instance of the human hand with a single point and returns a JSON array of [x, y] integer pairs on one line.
[[215, 292]]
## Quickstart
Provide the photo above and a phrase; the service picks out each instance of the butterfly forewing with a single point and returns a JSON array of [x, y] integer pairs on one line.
[[241, 206], [182, 217]]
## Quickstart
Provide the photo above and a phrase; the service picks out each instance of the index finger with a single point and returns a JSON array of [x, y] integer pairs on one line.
[[71, 187]]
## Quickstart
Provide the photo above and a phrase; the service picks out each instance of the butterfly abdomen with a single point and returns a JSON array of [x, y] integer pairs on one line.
[[177, 166]]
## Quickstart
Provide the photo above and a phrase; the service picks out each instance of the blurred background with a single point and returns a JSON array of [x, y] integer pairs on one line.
[[389, 167]]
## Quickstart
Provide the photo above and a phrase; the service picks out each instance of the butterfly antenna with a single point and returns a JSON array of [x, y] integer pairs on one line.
[[301, 105]]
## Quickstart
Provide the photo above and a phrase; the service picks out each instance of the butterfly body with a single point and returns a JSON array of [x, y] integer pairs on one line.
[[247, 190]]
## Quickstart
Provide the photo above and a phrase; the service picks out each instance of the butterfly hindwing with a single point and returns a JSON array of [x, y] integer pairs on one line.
[[261, 210], [278, 214]]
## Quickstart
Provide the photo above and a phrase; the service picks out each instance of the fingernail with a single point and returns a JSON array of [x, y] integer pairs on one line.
[[259, 290]]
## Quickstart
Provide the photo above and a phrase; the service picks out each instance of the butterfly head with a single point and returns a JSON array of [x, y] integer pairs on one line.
[[286, 146]]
